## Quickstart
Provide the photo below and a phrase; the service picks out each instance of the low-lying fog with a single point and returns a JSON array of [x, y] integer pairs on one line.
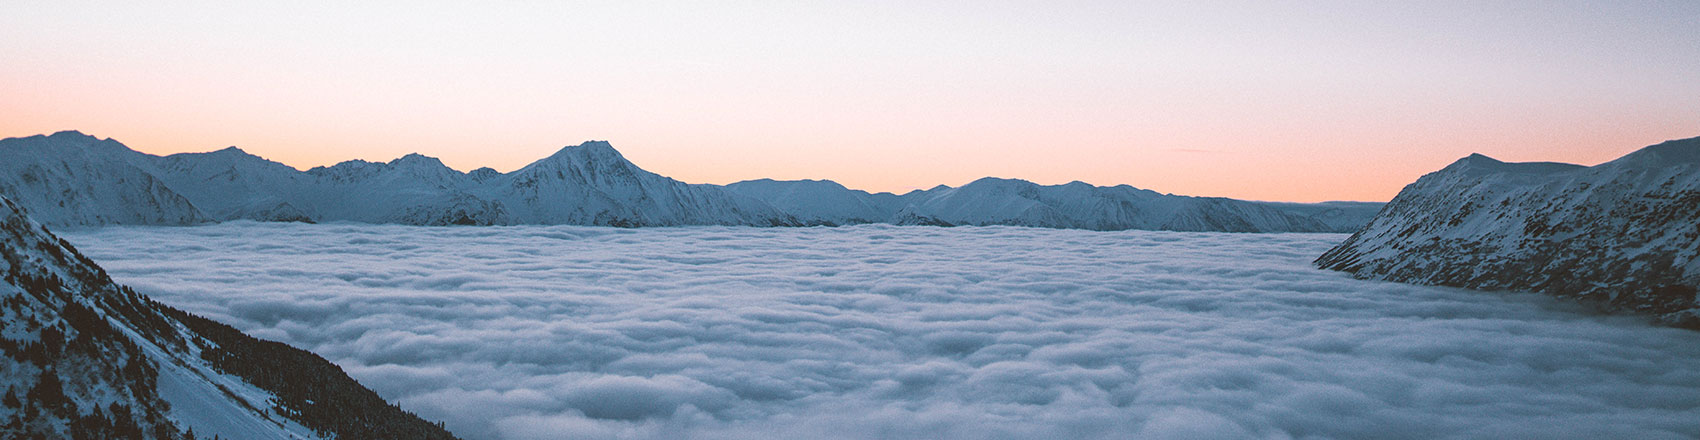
[[911, 332]]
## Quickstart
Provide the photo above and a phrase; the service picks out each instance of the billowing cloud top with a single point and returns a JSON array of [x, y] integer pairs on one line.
[[894, 332]]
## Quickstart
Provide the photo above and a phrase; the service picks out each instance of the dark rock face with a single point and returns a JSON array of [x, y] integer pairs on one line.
[[83, 357], [1623, 234]]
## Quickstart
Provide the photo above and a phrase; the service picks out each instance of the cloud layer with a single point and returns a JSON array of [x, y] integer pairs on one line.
[[911, 332]]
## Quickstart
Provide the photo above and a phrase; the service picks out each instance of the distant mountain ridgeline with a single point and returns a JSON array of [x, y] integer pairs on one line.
[[1624, 234], [69, 178]]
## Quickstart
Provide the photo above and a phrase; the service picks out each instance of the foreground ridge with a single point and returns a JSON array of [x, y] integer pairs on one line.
[[87, 358], [1624, 234]]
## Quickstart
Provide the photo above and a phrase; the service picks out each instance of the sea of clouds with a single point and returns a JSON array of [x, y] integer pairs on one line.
[[912, 332]]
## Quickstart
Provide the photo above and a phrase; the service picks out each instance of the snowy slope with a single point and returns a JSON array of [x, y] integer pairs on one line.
[[992, 201], [1076, 205], [73, 179], [413, 189], [1624, 234], [70, 178], [231, 184], [87, 358], [1338, 216], [820, 202], [592, 184]]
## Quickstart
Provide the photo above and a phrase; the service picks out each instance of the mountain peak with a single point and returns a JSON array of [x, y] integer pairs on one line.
[[68, 138], [1479, 159], [70, 134], [1477, 163], [587, 152], [483, 173], [1663, 154], [232, 154], [986, 180], [417, 160], [599, 148], [999, 182], [586, 159]]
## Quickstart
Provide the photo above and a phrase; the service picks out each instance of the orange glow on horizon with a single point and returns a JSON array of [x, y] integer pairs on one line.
[[1328, 101], [1252, 174]]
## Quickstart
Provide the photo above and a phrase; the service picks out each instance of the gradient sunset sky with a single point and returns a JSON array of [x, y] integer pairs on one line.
[[1264, 100]]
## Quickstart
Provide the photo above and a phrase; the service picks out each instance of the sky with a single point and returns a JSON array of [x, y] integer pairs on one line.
[[1264, 100], [888, 332]]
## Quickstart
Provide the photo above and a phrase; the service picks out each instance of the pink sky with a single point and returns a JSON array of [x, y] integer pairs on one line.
[[1309, 101]]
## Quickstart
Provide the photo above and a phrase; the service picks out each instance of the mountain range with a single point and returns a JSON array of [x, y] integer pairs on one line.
[[84, 357], [72, 179], [1623, 234]]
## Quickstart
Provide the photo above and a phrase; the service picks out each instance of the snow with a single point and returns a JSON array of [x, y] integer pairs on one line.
[[218, 404], [1075, 205], [72, 179], [1631, 225], [1664, 154], [590, 184], [817, 201], [201, 399], [878, 331]]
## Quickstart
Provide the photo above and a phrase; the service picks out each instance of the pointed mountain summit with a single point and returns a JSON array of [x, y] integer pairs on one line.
[[1476, 164], [593, 150], [230, 183], [1622, 234], [592, 184], [584, 163]]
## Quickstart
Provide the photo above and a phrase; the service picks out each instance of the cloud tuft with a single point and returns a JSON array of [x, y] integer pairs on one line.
[[890, 332]]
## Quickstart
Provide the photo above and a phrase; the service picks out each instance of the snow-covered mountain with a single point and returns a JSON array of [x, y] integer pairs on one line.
[[592, 184], [1624, 234], [76, 180], [1338, 216], [821, 202], [1076, 205], [230, 184], [73, 179], [87, 358]]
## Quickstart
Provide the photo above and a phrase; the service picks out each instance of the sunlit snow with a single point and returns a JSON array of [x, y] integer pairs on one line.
[[911, 332]]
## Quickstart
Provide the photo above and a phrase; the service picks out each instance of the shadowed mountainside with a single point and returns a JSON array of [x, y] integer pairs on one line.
[[87, 358], [1624, 234]]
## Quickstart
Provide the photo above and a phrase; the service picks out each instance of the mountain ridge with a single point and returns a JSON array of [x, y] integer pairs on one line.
[[591, 183], [1624, 234]]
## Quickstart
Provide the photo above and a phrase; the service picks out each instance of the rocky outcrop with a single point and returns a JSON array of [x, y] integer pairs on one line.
[[1624, 234], [82, 357]]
